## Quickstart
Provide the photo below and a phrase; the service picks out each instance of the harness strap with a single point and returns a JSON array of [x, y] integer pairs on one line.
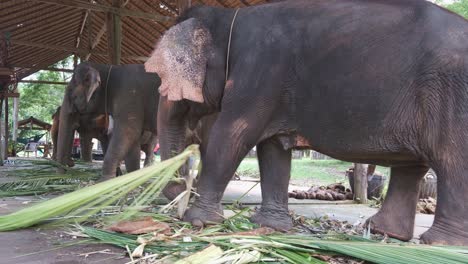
[[105, 99], [229, 43]]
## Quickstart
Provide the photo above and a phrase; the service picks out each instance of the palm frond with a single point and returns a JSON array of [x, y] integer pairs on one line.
[[79, 205]]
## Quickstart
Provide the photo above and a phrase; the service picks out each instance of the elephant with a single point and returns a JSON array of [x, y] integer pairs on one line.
[[116, 104], [86, 135], [338, 77], [90, 127]]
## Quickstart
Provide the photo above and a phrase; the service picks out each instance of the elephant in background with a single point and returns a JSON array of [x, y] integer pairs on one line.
[[86, 131], [333, 76], [117, 105]]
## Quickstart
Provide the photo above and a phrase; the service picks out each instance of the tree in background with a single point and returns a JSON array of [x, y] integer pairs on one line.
[[41, 100], [458, 6]]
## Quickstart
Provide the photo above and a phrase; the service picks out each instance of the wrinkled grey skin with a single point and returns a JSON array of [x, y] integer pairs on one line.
[[131, 101], [378, 82], [91, 126]]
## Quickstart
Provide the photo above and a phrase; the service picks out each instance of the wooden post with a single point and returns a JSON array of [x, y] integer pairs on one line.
[[89, 29], [1, 131], [114, 33], [75, 61], [360, 183], [15, 122], [6, 129], [183, 5]]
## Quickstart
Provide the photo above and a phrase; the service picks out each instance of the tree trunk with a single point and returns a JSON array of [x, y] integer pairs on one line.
[[360, 183]]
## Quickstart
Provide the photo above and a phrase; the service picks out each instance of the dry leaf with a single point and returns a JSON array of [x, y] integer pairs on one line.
[[141, 226]]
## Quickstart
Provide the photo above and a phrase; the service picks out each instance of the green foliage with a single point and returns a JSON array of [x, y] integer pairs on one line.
[[460, 6], [41, 100], [321, 172], [80, 205]]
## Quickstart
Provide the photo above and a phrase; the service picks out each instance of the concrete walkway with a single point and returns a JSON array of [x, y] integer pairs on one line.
[[339, 210]]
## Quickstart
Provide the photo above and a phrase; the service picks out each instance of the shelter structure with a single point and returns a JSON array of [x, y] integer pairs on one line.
[[33, 124], [36, 34]]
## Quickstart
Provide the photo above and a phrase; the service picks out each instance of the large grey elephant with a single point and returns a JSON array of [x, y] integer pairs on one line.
[[378, 82], [117, 105]]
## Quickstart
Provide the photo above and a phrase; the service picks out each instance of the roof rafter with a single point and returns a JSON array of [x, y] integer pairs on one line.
[[69, 49], [102, 8]]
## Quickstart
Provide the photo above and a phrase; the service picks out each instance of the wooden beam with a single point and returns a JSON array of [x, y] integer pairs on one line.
[[137, 58], [183, 5], [57, 70], [168, 6], [114, 35], [100, 34], [43, 82], [48, 46], [7, 132], [8, 94], [102, 8], [89, 29], [68, 49], [244, 3], [80, 31], [43, 69], [44, 63], [1, 132]]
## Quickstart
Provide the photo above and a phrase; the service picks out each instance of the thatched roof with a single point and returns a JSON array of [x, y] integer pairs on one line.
[[43, 32], [33, 124]]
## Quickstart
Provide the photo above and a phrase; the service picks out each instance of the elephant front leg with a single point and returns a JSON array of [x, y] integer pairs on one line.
[[396, 217], [119, 145], [132, 160], [230, 140], [275, 167]]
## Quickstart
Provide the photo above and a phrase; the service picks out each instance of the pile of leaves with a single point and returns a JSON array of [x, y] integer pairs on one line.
[[237, 240], [426, 206], [332, 192], [34, 177]]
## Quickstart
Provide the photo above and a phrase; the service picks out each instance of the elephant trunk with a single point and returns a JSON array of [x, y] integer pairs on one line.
[[172, 138], [86, 144], [65, 135]]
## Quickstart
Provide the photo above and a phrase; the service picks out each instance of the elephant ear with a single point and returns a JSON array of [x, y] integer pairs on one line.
[[180, 60]]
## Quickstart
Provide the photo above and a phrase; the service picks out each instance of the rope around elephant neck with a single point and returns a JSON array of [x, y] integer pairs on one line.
[[105, 98], [229, 43]]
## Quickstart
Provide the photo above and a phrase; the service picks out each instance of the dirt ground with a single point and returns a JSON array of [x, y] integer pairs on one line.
[[50, 246]]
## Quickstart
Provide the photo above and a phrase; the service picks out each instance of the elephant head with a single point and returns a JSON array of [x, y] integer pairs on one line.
[[78, 100], [192, 72]]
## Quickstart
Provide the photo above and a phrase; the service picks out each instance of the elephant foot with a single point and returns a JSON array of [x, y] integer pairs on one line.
[[173, 189], [105, 177], [70, 163], [385, 224], [279, 220], [199, 215], [442, 235]]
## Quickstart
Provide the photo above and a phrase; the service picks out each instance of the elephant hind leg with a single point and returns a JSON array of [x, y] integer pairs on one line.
[[396, 217], [450, 225], [275, 168]]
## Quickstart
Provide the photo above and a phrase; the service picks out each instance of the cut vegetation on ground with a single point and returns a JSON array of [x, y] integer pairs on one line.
[[122, 212]]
